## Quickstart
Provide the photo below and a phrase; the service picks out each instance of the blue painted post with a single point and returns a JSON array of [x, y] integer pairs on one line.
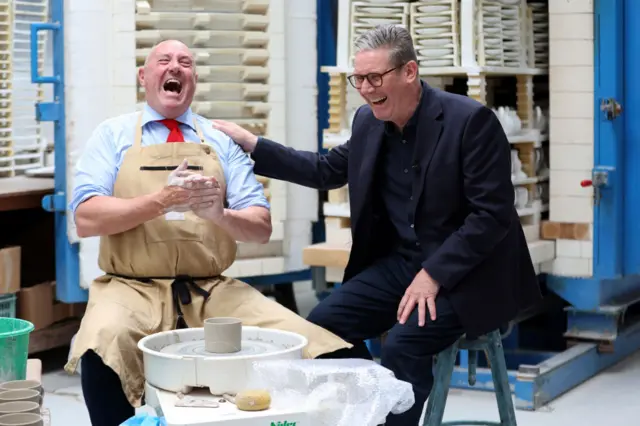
[[67, 265], [326, 54]]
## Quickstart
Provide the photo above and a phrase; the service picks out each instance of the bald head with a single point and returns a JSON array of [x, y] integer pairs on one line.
[[169, 78], [167, 44]]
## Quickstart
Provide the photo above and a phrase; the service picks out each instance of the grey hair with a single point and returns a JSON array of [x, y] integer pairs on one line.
[[394, 37]]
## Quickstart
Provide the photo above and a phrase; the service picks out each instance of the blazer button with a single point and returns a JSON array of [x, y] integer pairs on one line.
[[411, 225]]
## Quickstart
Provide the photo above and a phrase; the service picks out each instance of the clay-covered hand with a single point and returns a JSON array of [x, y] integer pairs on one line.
[[180, 174], [174, 197], [239, 135], [207, 199]]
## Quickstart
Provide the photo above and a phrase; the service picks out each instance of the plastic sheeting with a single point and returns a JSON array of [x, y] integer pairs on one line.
[[336, 392]]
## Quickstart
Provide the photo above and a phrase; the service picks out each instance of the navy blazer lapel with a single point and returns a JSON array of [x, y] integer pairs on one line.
[[428, 132], [370, 151]]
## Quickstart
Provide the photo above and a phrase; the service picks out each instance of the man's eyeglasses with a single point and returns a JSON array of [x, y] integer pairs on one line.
[[374, 78]]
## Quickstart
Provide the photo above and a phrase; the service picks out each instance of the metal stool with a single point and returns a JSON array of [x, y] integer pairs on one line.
[[492, 345]]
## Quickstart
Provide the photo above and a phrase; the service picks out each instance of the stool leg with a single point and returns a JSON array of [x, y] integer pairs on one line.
[[501, 380], [438, 396]]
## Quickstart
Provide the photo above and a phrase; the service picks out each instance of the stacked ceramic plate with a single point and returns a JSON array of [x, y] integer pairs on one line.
[[21, 142], [540, 15], [499, 35], [229, 39], [434, 27], [366, 15]]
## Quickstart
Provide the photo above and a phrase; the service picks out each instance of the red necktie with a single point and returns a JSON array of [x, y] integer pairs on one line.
[[175, 135]]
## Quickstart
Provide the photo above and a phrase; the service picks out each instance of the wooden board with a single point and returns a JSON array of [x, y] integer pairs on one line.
[[54, 336], [23, 192], [327, 255]]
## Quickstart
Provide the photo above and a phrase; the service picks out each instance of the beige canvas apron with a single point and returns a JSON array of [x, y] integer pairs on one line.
[[122, 309]]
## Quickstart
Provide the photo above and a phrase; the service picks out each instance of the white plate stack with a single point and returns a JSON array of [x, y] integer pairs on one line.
[[229, 39], [366, 15], [434, 28], [21, 142], [540, 18], [500, 35]]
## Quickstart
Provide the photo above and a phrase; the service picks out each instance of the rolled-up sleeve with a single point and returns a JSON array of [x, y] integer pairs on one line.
[[96, 169], [243, 188]]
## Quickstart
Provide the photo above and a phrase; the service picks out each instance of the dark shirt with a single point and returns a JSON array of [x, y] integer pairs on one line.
[[396, 178]]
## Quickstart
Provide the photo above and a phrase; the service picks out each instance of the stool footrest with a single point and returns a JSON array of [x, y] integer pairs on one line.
[[471, 423]]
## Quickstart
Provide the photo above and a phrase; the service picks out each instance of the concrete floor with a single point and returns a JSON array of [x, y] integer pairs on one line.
[[610, 399]]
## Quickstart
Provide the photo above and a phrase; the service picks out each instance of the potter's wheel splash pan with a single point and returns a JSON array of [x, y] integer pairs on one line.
[[176, 360]]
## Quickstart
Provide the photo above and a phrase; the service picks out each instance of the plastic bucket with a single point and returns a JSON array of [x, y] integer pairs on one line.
[[14, 348]]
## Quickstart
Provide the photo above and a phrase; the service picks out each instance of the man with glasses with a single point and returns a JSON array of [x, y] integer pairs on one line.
[[438, 249]]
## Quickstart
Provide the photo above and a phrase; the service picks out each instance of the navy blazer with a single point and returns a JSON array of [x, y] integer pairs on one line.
[[470, 233]]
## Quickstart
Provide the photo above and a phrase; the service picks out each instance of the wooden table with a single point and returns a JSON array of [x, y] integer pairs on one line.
[[23, 192]]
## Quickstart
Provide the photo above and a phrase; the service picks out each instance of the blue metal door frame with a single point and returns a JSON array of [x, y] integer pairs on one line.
[[615, 279], [631, 105], [609, 147], [67, 264]]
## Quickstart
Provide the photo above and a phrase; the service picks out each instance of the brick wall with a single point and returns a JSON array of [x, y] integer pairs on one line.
[[571, 129]]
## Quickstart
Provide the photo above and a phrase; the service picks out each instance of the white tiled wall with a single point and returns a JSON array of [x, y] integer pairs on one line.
[[571, 128]]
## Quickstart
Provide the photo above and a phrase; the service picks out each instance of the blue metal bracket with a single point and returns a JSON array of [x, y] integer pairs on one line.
[[55, 27], [68, 288], [54, 203], [48, 111]]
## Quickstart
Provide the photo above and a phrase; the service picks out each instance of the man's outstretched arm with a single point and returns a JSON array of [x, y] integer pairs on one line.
[[305, 168]]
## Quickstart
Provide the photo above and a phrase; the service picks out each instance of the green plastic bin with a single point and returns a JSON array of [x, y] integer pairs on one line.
[[14, 348]]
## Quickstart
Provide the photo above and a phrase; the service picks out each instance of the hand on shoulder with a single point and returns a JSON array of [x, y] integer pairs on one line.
[[239, 135]]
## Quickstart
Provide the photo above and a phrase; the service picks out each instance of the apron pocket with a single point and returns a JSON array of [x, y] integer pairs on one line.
[[178, 227]]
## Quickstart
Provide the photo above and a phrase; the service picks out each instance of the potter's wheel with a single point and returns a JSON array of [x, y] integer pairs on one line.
[[197, 348], [176, 360]]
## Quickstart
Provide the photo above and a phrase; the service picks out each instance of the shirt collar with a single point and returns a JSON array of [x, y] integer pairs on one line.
[[149, 114]]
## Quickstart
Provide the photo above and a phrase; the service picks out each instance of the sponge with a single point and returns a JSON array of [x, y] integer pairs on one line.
[[253, 400]]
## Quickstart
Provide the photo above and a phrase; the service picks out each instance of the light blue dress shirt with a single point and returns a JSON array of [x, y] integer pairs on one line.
[[102, 157]]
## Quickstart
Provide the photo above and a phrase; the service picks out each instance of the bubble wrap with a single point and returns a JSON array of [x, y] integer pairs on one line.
[[340, 392]]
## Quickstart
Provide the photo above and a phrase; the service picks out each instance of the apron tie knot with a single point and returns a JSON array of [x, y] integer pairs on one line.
[[182, 295]]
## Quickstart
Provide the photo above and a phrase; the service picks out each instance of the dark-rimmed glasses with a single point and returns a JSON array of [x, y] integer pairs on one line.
[[374, 78]]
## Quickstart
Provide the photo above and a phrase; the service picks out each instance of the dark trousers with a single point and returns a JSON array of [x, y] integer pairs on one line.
[[103, 394], [366, 306]]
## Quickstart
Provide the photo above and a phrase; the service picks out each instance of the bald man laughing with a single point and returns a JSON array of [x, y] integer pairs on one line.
[[169, 197]]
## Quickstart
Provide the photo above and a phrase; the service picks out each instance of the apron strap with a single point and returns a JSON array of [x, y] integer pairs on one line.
[[137, 140], [198, 130]]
